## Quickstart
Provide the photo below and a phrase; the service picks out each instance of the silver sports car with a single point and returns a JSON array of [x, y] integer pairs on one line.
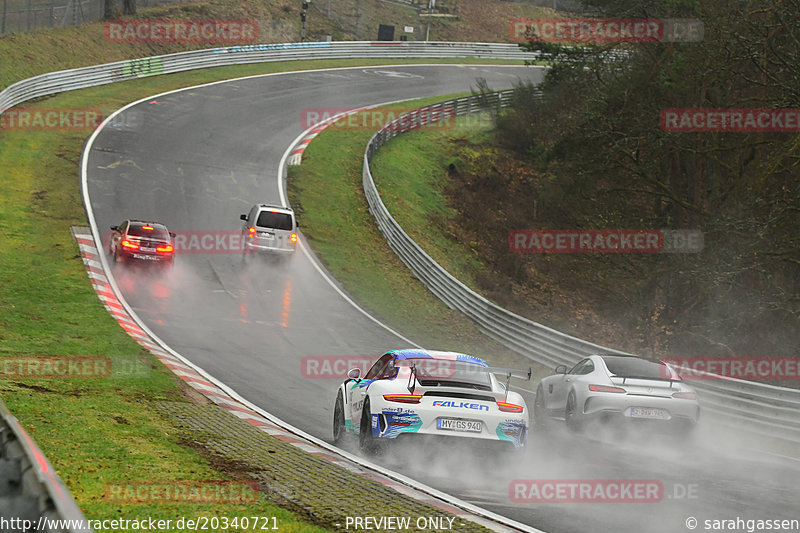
[[609, 387]]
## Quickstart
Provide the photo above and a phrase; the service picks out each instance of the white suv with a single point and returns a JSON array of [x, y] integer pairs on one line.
[[269, 228]]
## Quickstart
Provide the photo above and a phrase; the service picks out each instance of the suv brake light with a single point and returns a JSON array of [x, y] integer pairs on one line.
[[293, 238]]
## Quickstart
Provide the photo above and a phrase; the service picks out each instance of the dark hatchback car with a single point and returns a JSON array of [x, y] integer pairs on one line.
[[142, 242]]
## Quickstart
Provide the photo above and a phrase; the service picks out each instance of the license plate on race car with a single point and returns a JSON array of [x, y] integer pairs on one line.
[[458, 424], [648, 412], [150, 250]]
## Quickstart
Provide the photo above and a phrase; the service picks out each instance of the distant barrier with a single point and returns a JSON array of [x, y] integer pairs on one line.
[[30, 490]]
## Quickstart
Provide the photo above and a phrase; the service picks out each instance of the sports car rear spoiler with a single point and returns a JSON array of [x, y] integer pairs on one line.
[[648, 378], [511, 372]]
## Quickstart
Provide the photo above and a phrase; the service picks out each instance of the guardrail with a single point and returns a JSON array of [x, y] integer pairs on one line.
[[755, 407], [32, 496], [80, 78]]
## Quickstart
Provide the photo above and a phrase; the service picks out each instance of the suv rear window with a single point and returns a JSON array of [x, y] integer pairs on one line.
[[629, 367], [268, 219]]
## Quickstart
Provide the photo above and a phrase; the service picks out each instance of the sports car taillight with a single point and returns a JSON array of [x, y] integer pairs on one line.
[[510, 407], [128, 244], [403, 398], [685, 395], [165, 249], [606, 388]]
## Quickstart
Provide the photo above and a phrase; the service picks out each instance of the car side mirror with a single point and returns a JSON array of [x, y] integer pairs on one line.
[[115, 228], [172, 234], [354, 373], [296, 223], [561, 369], [243, 217]]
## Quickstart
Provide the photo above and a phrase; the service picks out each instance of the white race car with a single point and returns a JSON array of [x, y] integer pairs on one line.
[[616, 387], [423, 392]]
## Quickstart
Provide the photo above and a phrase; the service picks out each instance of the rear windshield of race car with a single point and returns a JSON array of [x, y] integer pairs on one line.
[[431, 372], [632, 367], [154, 231], [268, 219]]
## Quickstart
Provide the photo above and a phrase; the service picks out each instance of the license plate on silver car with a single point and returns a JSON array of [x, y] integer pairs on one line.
[[458, 424], [648, 412]]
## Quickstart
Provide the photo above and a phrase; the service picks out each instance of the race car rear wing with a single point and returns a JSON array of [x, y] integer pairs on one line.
[[509, 372], [522, 374]]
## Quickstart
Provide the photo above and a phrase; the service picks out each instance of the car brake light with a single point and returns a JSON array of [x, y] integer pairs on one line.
[[403, 398], [166, 249], [147, 227], [685, 395], [605, 388], [509, 407], [128, 244], [293, 237], [252, 231]]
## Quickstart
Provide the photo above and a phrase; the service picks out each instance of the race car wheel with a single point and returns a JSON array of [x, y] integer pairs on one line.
[[338, 419], [540, 417], [570, 413], [366, 442]]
